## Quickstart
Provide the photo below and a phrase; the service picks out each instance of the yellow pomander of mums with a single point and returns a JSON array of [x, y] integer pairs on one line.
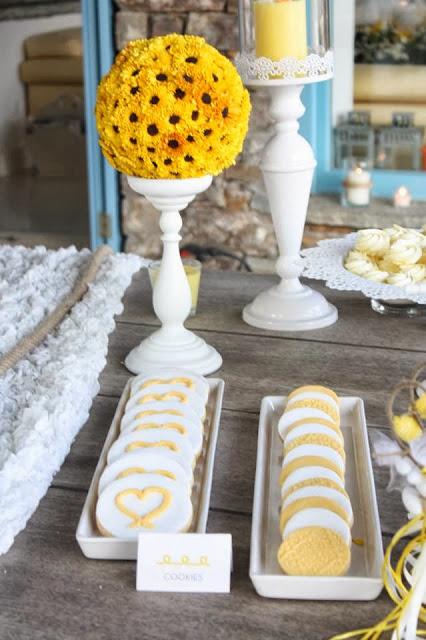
[[407, 427], [171, 107]]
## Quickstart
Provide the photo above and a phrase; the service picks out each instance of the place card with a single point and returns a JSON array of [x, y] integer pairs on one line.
[[191, 562]]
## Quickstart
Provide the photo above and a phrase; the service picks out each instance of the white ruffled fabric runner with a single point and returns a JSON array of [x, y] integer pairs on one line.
[[45, 399]]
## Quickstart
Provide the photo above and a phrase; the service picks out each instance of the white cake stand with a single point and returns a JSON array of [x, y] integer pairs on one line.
[[172, 345], [288, 165]]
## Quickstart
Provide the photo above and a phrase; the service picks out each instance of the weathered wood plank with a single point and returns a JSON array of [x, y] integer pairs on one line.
[[49, 590], [235, 464], [223, 296], [255, 366]]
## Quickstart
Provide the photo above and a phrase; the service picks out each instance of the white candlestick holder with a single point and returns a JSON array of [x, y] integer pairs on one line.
[[285, 45], [173, 344], [288, 165]]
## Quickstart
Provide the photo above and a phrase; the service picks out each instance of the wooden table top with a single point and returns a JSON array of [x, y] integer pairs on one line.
[[49, 590]]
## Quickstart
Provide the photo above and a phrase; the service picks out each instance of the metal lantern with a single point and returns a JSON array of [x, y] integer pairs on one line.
[[354, 140], [399, 145]]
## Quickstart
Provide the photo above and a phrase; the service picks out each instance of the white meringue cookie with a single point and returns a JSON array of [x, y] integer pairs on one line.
[[417, 272], [385, 264], [395, 232], [404, 252], [359, 263], [377, 275], [374, 242], [414, 236], [400, 279]]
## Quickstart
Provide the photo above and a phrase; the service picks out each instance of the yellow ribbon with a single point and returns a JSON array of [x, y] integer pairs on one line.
[[398, 589]]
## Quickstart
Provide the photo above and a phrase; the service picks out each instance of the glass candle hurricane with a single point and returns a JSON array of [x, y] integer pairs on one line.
[[284, 39]]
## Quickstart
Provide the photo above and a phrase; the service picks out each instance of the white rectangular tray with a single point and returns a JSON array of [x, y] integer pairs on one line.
[[92, 544], [363, 581]]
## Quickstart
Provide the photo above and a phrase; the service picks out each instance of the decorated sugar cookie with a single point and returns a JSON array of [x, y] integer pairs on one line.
[[143, 503], [173, 393], [315, 421], [191, 430], [154, 440], [328, 406], [311, 476], [141, 412], [315, 439], [314, 392], [296, 413], [312, 429], [179, 377], [165, 464], [316, 542], [308, 455], [316, 497]]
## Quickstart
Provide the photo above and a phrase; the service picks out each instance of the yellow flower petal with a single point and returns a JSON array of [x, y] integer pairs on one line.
[[420, 405], [407, 428]]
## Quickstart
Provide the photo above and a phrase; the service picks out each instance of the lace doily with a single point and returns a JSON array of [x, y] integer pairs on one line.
[[45, 399], [325, 262], [311, 67]]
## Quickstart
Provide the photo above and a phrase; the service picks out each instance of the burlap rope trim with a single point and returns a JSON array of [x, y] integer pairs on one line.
[[32, 340]]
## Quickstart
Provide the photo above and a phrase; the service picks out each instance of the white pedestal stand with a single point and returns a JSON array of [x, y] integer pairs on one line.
[[172, 345], [288, 165]]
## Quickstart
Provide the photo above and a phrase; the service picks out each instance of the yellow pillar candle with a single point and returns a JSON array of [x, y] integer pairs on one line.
[[280, 29]]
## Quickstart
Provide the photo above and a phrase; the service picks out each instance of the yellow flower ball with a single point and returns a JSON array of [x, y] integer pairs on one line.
[[171, 107], [407, 427], [420, 405]]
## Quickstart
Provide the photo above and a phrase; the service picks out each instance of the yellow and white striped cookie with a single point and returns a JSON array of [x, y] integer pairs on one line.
[[316, 542], [187, 428], [316, 497], [180, 377], [311, 476], [308, 455], [314, 392], [315, 439], [165, 464], [173, 393], [298, 411], [312, 429], [154, 439], [314, 403], [328, 423], [140, 412]]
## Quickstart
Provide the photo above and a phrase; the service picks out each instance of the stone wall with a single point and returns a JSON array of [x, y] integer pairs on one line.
[[233, 213]]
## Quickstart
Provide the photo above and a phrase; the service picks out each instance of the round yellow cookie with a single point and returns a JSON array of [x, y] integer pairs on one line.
[[314, 551]]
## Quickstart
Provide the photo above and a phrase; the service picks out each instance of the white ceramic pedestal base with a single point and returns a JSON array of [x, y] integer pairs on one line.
[[172, 345], [187, 351], [300, 310]]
